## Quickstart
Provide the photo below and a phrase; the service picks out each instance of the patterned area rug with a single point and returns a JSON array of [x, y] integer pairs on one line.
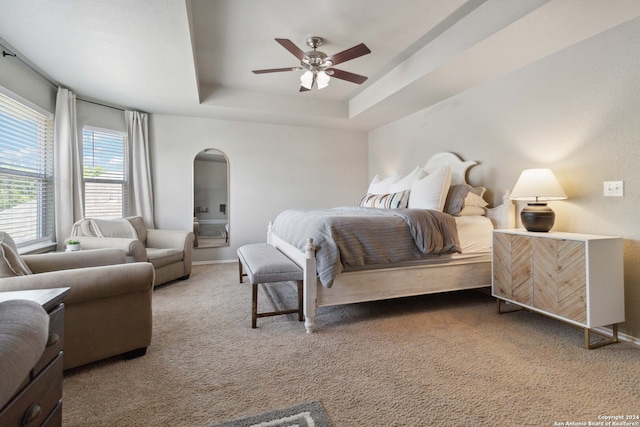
[[309, 414]]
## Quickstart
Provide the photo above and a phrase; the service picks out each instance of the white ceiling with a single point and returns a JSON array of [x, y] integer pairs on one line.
[[194, 57]]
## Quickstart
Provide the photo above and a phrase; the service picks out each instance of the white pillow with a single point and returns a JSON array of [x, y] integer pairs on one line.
[[405, 183], [379, 185], [478, 191], [474, 200], [431, 191], [472, 211]]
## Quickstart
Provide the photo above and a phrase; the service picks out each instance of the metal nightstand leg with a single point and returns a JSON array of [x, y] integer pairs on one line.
[[608, 339], [500, 311]]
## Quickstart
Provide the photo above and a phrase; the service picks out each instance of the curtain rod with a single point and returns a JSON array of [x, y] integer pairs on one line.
[[8, 52], [102, 105]]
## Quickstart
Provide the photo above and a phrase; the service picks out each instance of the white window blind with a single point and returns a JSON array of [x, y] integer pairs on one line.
[[105, 173], [26, 172]]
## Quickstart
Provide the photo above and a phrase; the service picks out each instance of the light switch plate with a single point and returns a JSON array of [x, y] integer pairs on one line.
[[613, 188]]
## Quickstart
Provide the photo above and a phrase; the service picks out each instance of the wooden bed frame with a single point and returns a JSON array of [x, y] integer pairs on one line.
[[373, 285]]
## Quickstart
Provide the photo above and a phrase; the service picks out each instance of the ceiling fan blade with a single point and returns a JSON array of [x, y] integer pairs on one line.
[[349, 54], [276, 70], [345, 75], [291, 47]]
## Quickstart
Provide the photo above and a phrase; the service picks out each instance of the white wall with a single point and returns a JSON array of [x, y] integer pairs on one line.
[[577, 112], [89, 114], [271, 168]]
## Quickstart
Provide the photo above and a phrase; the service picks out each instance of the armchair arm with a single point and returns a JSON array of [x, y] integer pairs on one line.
[[178, 239], [88, 283], [132, 247], [53, 261]]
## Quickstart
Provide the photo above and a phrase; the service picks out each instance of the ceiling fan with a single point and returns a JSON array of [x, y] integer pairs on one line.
[[318, 66]]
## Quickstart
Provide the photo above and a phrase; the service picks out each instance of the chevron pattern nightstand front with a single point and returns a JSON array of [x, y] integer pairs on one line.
[[577, 278]]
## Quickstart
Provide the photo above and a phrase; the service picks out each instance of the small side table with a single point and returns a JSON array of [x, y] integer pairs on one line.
[[39, 402]]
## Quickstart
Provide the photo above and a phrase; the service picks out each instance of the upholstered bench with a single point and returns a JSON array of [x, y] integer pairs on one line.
[[263, 263]]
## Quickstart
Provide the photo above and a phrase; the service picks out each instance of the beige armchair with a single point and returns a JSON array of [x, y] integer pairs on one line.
[[170, 251], [108, 309]]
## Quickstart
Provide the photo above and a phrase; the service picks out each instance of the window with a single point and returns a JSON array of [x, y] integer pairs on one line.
[[105, 173], [26, 171]]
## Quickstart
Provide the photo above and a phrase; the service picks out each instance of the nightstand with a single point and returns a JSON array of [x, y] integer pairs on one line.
[[576, 278], [39, 401]]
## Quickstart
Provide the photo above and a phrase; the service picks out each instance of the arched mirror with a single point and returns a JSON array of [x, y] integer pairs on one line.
[[211, 199]]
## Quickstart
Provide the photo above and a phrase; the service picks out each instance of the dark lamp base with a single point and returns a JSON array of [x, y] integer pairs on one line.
[[537, 217]]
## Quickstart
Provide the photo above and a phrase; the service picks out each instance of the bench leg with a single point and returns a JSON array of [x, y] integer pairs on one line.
[[254, 306], [300, 309], [240, 270]]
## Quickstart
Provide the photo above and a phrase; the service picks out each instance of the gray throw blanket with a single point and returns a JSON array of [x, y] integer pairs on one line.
[[356, 237]]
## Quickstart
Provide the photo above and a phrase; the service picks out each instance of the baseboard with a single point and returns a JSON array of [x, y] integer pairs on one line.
[[219, 261], [621, 336]]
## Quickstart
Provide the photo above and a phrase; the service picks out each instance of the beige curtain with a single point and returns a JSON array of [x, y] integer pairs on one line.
[[67, 168], [140, 188]]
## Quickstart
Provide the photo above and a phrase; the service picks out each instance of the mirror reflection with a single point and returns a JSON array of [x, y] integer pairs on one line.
[[211, 199]]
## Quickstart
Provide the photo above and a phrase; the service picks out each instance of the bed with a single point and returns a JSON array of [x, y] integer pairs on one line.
[[443, 264]]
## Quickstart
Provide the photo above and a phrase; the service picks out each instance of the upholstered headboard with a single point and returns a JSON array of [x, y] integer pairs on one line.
[[458, 166], [502, 216]]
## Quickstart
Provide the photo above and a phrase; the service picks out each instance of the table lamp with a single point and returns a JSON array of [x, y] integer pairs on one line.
[[537, 186]]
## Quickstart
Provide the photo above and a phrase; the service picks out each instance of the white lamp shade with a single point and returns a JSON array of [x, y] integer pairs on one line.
[[537, 184], [306, 79], [322, 79]]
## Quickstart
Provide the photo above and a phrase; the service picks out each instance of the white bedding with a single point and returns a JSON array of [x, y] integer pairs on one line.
[[474, 233]]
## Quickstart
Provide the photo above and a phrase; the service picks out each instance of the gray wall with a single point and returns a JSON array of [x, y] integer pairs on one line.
[[576, 112]]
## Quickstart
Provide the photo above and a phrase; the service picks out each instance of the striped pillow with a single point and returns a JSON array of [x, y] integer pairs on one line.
[[397, 200]]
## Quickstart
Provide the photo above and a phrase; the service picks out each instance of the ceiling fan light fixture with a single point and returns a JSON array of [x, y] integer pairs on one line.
[[306, 79], [318, 65], [323, 80]]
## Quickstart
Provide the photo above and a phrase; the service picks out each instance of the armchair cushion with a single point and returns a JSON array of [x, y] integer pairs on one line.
[[11, 264], [160, 257]]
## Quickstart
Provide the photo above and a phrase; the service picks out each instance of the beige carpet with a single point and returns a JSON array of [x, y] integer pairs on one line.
[[446, 360]]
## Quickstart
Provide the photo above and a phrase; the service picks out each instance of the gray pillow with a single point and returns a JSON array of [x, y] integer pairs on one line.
[[455, 198]]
